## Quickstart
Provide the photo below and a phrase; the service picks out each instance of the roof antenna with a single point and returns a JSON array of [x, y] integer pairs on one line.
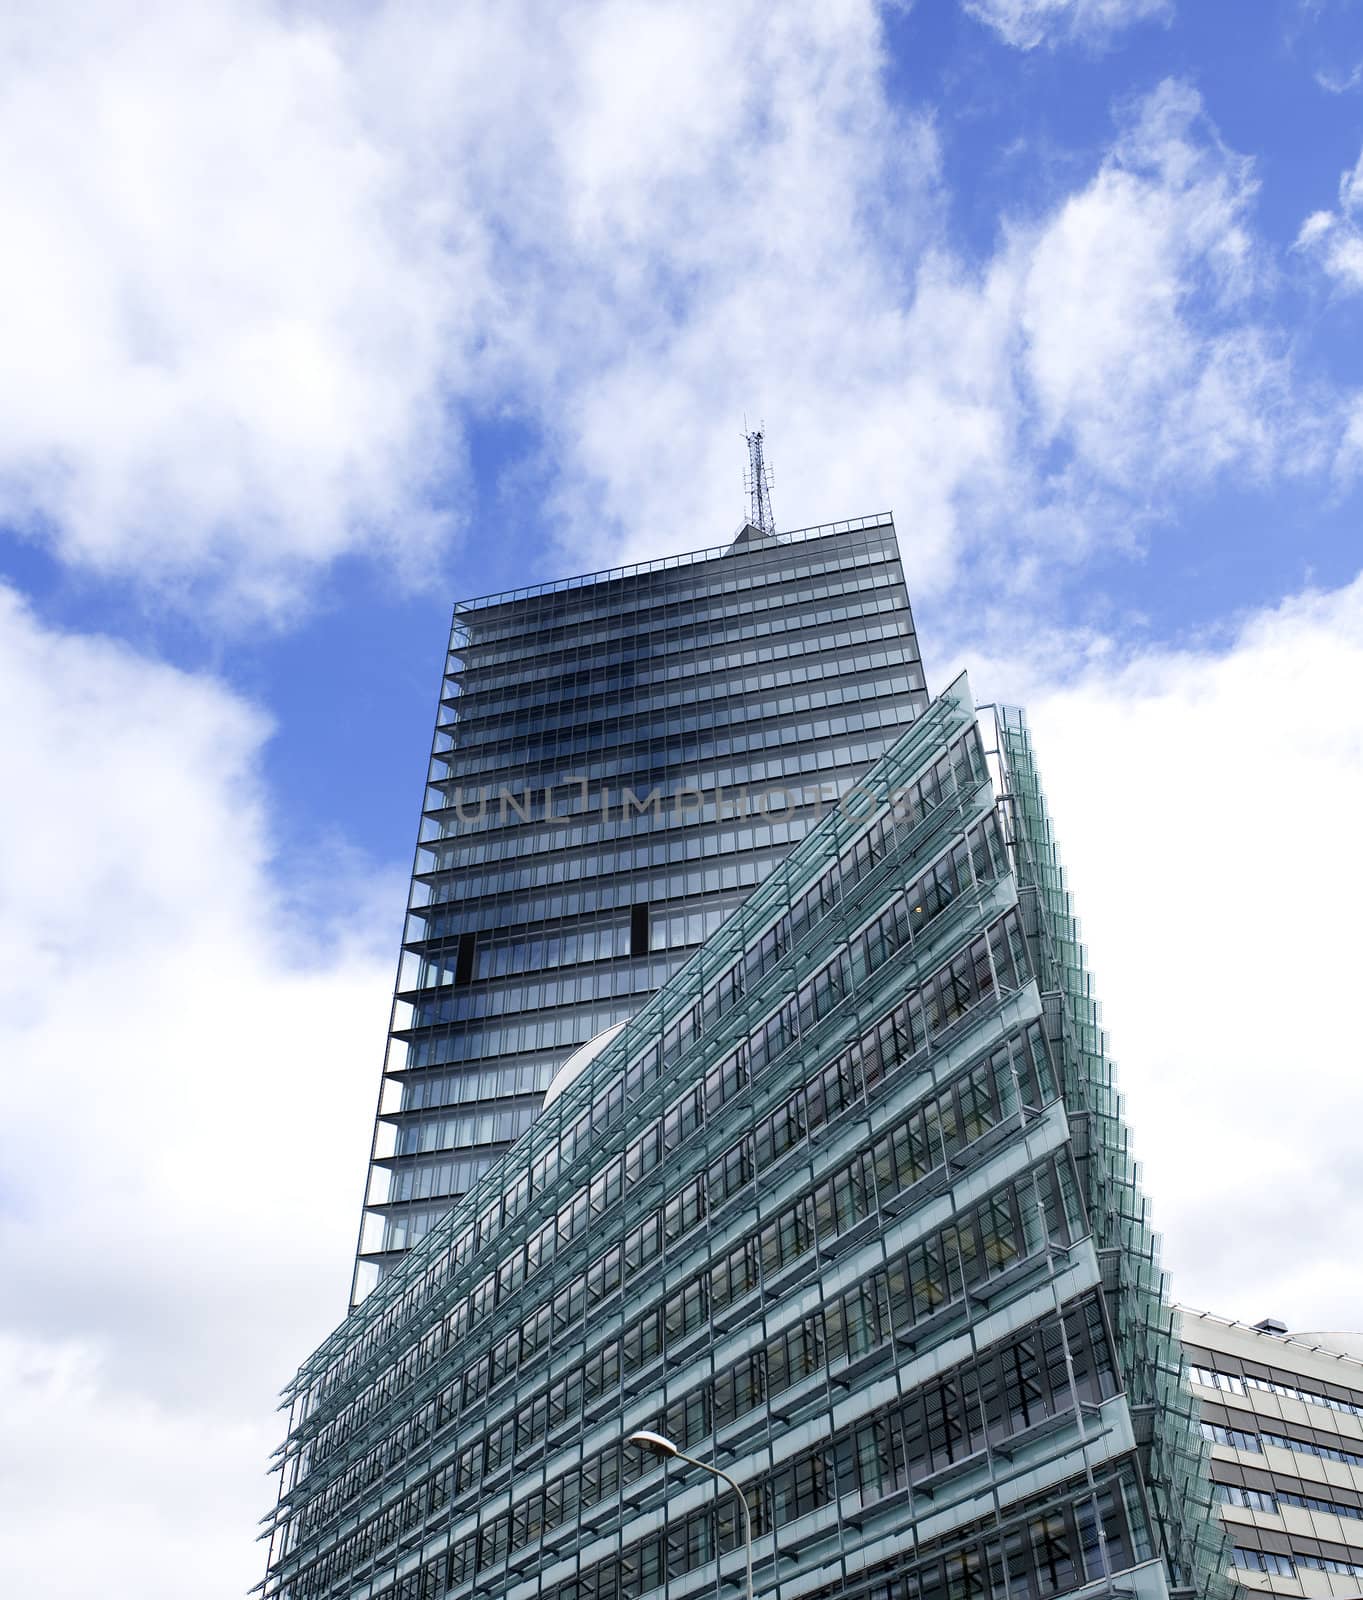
[[757, 482]]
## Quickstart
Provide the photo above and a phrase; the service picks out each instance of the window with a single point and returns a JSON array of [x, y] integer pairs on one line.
[[1232, 1384], [1054, 1541], [1309, 1502], [1234, 1438], [739, 1390], [1266, 1561], [685, 1311], [642, 1341], [689, 1545], [800, 1488], [494, 1542], [1347, 1569], [1232, 1494], [1217, 1380], [1324, 1452]]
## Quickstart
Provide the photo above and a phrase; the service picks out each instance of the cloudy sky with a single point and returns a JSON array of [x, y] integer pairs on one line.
[[315, 318]]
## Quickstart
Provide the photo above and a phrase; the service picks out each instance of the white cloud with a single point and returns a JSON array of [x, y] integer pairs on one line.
[[229, 311], [1028, 23], [265, 260], [1336, 237], [1335, 81], [1136, 304], [1205, 804], [188, 1081], [1117, 339], [274, 260]]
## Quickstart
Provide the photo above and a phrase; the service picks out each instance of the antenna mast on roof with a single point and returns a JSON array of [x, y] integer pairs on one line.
[[757, 481]]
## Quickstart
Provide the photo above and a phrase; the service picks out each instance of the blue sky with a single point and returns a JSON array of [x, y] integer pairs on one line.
[[320, 318], [351, 666]]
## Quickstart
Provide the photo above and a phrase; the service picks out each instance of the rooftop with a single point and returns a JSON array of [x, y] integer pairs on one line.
[[688, 558], [1337, 1346]]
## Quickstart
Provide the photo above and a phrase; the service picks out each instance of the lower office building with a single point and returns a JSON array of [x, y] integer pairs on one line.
[[1284, 1416], [847, 1209]]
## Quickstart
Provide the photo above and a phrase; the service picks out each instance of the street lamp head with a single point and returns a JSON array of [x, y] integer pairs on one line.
[[654, 1442], [647, 1440]]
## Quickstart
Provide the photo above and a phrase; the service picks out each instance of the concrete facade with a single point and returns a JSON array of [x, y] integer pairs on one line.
[[1284, 1416]]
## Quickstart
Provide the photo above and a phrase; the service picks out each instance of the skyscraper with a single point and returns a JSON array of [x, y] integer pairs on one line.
[[844, 1205], [618, 760]]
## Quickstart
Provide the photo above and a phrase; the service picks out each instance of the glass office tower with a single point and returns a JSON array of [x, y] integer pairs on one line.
[[846, 1208], [618, 760]]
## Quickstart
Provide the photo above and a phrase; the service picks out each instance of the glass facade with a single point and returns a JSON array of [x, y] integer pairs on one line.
[[617, 761], [845, 1207]]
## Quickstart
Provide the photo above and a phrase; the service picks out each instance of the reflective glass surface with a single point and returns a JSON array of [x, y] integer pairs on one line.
[[846, 1208], [618, 761]]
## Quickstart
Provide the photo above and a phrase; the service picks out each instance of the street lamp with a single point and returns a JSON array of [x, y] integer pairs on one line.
[[665, 1447]]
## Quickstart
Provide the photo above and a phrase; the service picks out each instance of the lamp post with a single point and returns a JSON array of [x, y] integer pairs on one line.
[[665, 1447]]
